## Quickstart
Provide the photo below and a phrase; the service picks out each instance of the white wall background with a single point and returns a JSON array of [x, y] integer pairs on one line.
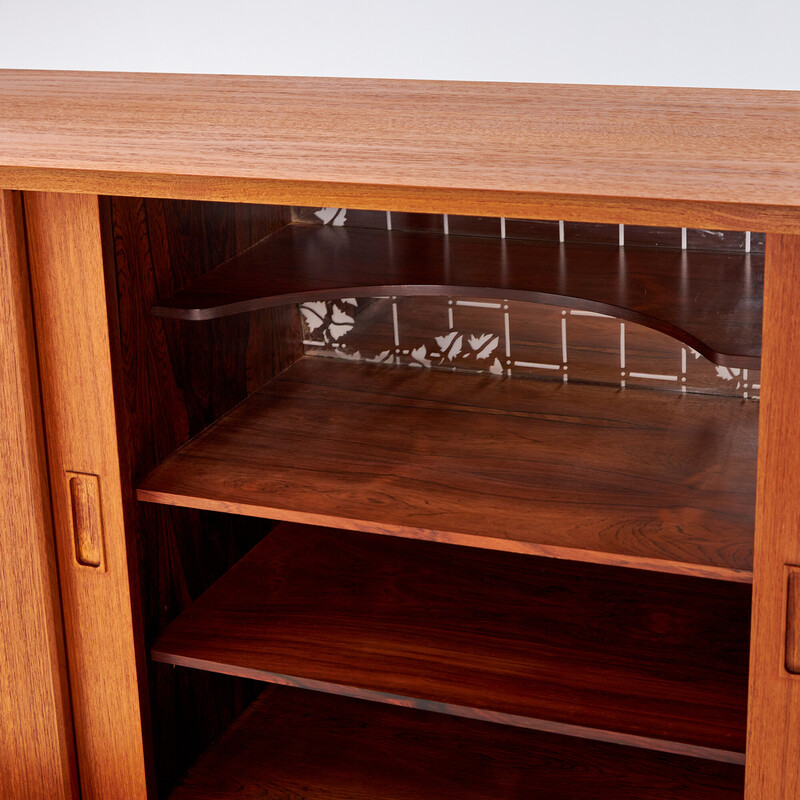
[[719, 43]]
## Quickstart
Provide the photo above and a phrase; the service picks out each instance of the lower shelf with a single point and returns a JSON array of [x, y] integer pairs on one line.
[[596, 652], [296, 744]]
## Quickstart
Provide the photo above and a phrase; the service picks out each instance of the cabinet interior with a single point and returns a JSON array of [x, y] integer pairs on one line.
[[525, 557]]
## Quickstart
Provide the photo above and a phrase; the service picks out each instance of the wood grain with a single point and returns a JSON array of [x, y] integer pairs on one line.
[[579, 648], [292, 743], [175, 378], [773, 743], [645, 479], [700, 158], [103, 634], [710, 301], [37, 757]]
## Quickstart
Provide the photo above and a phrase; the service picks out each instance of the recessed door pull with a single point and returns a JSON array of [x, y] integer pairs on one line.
[[87, 519]]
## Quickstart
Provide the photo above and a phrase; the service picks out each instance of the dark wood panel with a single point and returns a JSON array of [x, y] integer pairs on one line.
[[591, 233], [174, 380], [646, 479], [709, 300], [470, 226], [537, 229], [293, 744], [155, 246], [648, 236], [590, 650]]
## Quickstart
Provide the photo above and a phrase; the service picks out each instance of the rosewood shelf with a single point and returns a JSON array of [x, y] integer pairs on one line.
[[578, 649], [658, 481], [711, 301], [297, 744]]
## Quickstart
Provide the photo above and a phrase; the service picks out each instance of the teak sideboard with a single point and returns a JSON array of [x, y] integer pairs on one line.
[[229, 568]]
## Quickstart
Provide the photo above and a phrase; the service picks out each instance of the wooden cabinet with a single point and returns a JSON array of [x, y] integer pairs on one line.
[[293, 576]]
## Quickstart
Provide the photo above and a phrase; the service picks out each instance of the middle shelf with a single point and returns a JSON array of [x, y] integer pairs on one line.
[[636, 478], [584, 650]]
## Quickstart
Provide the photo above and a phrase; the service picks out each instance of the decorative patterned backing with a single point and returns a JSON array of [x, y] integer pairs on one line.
[[514, 338]]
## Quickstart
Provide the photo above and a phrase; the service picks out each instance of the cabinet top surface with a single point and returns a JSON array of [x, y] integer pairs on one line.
[[681, 153]]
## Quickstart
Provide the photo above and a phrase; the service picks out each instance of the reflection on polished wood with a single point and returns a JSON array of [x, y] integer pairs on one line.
[[711, 301], [653, 480]]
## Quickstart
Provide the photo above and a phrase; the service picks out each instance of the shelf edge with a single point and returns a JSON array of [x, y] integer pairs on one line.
[[513, 720], [450, 537]]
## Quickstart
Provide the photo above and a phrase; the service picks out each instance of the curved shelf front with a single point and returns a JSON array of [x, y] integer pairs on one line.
[[710, 301]]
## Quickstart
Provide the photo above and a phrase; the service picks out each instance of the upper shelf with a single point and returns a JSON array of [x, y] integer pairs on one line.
[[702, 158], [711, 301]]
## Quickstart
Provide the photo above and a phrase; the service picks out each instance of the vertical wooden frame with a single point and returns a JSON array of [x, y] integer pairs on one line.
[[773, 736], [102, 629], [36, 740]]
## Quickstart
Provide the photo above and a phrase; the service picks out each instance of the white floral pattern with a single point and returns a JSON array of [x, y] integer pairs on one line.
[[582, 346]]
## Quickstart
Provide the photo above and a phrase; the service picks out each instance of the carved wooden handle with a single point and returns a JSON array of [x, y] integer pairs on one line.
[[87, 519], [793, 621]]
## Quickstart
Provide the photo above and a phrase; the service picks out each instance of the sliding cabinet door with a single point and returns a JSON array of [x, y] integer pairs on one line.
[[103, 635], [36, 751]]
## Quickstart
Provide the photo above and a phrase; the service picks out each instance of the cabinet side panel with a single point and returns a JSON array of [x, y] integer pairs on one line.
[[103, 642], [36, 741], [174, 379], [773, 743]]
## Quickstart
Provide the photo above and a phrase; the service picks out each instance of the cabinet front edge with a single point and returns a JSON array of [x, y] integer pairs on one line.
[[421, 199]]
